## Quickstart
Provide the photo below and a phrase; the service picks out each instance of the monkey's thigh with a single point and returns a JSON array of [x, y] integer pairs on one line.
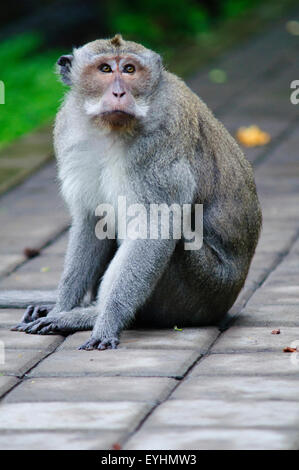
[[191, 292]]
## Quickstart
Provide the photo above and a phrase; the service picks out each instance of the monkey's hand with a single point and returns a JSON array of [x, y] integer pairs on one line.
[[56, 323], [101, 344], [32, 313]]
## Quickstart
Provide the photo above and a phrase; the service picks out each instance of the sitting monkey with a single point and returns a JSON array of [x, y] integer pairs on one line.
[[129, 128]]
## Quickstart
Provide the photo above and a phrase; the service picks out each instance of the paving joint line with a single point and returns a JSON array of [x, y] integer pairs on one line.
[[40, 248]]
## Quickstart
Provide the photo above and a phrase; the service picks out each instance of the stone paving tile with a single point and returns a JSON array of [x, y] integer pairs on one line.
[[6, 383], [32, 280], [19, 340], [9, 262], [71, 416], [238, 339], [147, 389], [10, 317], [279, 294], [92, 440], [274, 316], [212, 439], [276, 240], [51, 262], [234, 388], [58, 247], [37, 200], [243, 66], [190, 338], [18, 361], [224, 414], [264, 260], [22, 298], [249, 364], [137, 362]]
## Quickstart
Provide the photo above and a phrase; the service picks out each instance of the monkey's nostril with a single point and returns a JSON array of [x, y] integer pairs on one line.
[[118, 95]]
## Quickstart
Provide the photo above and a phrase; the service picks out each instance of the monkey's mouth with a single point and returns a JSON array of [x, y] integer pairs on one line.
[[117, 118]]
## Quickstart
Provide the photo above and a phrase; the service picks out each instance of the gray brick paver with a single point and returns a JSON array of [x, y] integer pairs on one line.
[[18, 362], [259, 364], [71, 416], [198, 339], [42, 440], [212, 439], [236, 388], [220, 413], [85, 389], [120, 362]]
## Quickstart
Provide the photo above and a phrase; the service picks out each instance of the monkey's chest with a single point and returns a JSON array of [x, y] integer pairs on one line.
[[96, 176]]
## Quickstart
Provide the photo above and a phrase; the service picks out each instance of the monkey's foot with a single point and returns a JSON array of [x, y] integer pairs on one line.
[[32, 313], [101, 344], [45, 326]]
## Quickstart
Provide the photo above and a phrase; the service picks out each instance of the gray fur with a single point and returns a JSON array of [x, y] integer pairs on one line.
[[177, 152]]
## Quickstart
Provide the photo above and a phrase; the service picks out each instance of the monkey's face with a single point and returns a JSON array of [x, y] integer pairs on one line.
[[114, 83], [115, 92]]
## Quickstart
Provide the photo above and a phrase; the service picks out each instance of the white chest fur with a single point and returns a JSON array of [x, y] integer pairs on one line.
[[93, 171]]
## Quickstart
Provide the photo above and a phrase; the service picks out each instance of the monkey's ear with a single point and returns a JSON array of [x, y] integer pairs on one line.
[[64, 68]]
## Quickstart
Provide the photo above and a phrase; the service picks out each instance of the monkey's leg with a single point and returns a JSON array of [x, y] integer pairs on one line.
[[79, 319], [127, 283], [85, 261]]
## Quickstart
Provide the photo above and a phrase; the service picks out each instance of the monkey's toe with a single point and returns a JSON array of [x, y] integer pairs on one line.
[[100, 344], [90, 344], [108, 343]]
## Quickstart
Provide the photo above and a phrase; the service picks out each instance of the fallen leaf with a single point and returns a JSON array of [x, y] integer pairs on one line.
[[116, 446], [290, 350], [45, 269], [217, 76], [252, 136], [178, 329], [31, 252], [292, 27]]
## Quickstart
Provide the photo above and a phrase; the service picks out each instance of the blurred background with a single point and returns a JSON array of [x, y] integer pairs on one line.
[[189, 33]]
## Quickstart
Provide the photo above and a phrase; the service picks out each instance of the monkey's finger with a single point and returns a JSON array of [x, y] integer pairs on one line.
[[35, 326], [46, 330], [27, 317], [39, 312], [19, 327]]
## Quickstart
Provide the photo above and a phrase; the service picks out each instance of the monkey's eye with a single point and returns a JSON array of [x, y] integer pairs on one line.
[[105, 68], [129, 68]]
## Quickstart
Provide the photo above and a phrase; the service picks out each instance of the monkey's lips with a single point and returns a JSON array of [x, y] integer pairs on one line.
[[117, 117]]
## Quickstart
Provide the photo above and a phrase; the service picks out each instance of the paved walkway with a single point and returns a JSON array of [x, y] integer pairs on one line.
[[201, 388]]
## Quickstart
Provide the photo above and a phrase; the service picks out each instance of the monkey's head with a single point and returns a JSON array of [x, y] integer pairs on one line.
[[114, 79]]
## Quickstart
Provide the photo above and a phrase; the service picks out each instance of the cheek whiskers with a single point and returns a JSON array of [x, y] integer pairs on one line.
[[93, 107]]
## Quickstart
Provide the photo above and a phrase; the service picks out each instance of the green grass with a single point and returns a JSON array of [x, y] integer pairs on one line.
[[32, 90]]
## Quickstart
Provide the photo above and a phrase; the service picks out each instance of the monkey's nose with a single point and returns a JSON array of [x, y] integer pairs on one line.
[[119, 95]]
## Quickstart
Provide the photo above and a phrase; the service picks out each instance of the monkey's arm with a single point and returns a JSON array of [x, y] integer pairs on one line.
[[127, 284], [86, 259]]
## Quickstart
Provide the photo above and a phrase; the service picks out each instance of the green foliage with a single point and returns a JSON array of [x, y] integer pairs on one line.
[[32, 90], [179, 29], [234, 8], [158, 22]]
